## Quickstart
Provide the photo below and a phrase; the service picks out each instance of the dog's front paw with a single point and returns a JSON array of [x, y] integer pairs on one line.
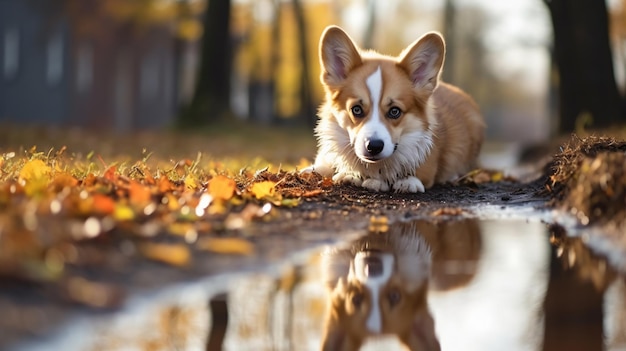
[[408, 185], [375, 184], [325, 171], [349, 178]]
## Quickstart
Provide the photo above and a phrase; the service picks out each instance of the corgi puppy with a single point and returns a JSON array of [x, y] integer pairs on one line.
[[378, 286], [389, 123]]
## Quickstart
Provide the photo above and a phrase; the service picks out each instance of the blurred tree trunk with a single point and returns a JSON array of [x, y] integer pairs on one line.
[[306, 103], [449, 25], [573, 310], [262, 89], [218, 306], [212, 95], [582, 54]]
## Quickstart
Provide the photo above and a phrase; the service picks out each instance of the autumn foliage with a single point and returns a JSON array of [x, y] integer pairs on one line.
[[52, 201]]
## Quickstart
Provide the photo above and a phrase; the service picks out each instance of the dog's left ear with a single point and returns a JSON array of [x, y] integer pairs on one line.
[[422, 335], [423, 60]]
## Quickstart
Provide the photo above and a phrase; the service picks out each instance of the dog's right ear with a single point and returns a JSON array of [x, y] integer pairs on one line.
[[338, 55], [335, 338]]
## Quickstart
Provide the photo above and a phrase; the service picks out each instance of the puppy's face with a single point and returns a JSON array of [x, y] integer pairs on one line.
[[379, 99], [379, 286], [377, 298]]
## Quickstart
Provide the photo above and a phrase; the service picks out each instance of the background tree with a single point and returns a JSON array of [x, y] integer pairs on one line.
[[582, 54], [212, 94], [306, 103]]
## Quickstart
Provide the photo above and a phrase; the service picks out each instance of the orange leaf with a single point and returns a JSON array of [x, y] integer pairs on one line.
[[264, 189], [234, 246], [312, 193], [103, 204], [173, 254], [165, 184], [110, 173], [221, 187], [139, 194], [63, 180]]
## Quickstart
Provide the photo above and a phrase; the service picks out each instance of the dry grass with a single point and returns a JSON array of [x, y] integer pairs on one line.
[[588, 178]]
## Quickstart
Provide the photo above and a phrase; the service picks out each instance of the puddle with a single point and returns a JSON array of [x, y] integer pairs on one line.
[[466, 285]]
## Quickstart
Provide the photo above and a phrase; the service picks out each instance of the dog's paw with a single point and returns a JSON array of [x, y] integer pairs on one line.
[[348, 178], [408, 185], [375, 184], [324, 170]]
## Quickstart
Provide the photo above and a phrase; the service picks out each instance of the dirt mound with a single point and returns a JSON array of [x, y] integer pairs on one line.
[[588, 179]]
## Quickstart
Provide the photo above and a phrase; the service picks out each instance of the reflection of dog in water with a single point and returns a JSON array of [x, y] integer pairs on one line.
[[378, 284]]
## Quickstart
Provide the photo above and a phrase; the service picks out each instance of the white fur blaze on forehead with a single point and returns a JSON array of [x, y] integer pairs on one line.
[[375, 85], [374, 284]]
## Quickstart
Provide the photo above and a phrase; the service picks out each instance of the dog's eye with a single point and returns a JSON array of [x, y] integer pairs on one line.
[[394, 113], [394, 297], [357, 299], [357, 111]]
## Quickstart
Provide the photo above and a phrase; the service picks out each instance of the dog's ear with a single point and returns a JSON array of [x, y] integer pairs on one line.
[[423, 60], [422, 333], [335, 338], [338, 55]]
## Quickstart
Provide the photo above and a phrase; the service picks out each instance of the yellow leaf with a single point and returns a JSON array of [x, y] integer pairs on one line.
[[35, 170], [221, 187], [289, 202], [190, 182], [123, 213], [173, 254], [234, 246], [264, 189], [181, 229], [497, 176]]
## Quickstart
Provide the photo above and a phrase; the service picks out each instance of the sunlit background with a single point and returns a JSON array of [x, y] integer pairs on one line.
[[135, 65]]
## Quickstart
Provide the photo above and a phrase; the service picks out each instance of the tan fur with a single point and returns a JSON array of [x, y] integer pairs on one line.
[[437, 138], [458, 136]]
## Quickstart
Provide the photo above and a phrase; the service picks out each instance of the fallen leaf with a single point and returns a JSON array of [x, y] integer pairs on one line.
[[35, 170], [92, 293], [164, 184], [263, 189], [221, 187], [233, 246], [448, 211], [103, 204], [312, 193], [110, 173], [172, 254], [378, 224], [190, 182], [62, 180], [139, 194], [288, 202], [123, 213]]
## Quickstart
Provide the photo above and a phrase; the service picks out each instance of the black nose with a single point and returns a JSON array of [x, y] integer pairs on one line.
[[374, 146], [373, 266]]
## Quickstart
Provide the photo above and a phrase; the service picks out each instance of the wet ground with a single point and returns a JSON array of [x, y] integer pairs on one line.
[[493, 284], [511, 269]]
